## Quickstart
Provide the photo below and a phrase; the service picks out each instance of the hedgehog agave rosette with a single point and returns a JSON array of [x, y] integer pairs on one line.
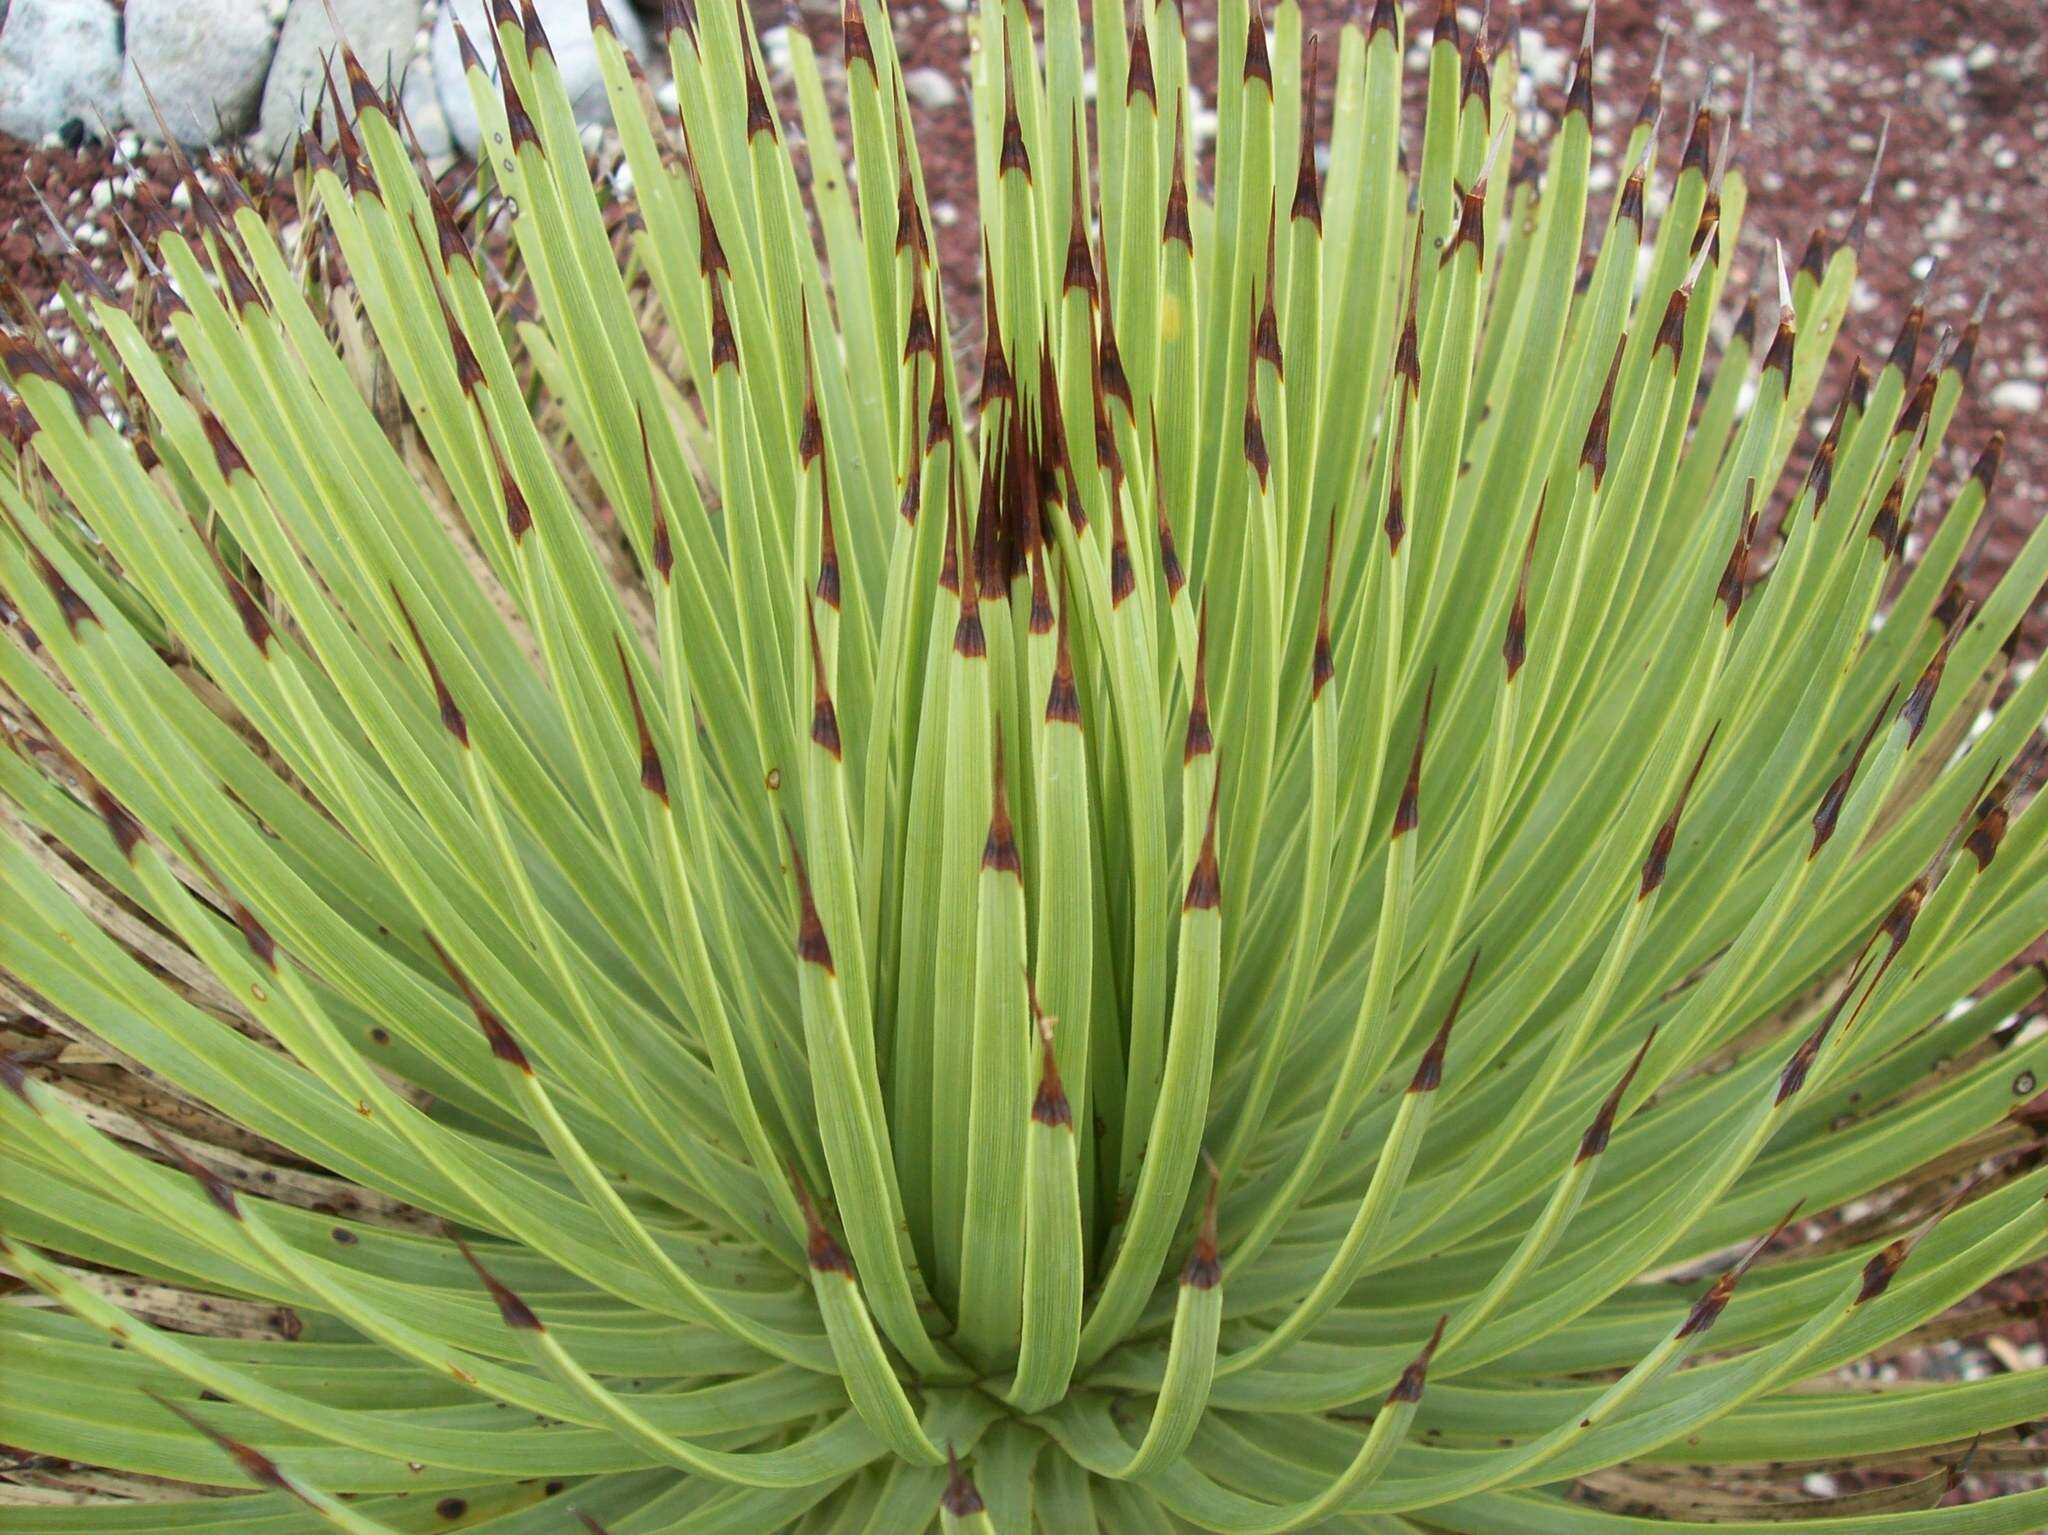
[[628, 904]]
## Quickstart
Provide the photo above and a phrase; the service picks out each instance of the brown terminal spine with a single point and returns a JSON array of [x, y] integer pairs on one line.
[[1205, 882], [1594, 1141], [1204, 1269], [652, 778], [1429, 1071], [811, 944], [1408, 813], [496, 1035], [1660, 845], [1409, 1387]]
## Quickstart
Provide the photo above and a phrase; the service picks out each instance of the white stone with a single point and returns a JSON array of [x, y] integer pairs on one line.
[[380, 32], [421, 104], [205, 61], [567, 24], [2022, 396], [59, 59], [931, 88]]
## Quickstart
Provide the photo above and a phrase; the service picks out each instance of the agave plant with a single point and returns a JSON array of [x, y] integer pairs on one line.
[[1258, 927]]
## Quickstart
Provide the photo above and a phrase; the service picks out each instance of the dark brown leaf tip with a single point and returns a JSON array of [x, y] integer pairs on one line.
[[961, 1499], [1514, 645], [1671, 329], [1413, 1378], [812, 946], [251, 1462], [20, 357], [1921, 699], [1049, 1105], [1429, 1071], [1813, 263], [1593, 454], [970, 640], [1204, 1268], [452, 719], [255, 622], [1205, 882], [74, 609], [652, 778], [1829, 812], [1176, 225], [1985, 472], [1888, 527], [1800, 1066], [820, 1246], [1322, 660], [518, 124], [918, 340], [1880, 1270], [827, 587], [219, 1193], [1446, 29], [518, 515], [725, 347], [999, 849], [1783, 342], [1918, 403], [1706, 1311], [1138, 79], [121, 825], [1667, 833], [1744, 333], [1734, 583], [1201, 740], [254, 933], [513, 1311], [227, 458], [854, 36], [1011, 154], [1594, 1141], [1985, 837], [1629, 207], [496, 1035], [1408, 813], [1062, 697], [1308, 194], [1258, 62], [760, 119]]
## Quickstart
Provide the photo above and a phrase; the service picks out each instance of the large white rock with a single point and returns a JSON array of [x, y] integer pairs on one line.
[[59, 59], [567, 23], [380, 31], [205, 61], [420, 100]]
